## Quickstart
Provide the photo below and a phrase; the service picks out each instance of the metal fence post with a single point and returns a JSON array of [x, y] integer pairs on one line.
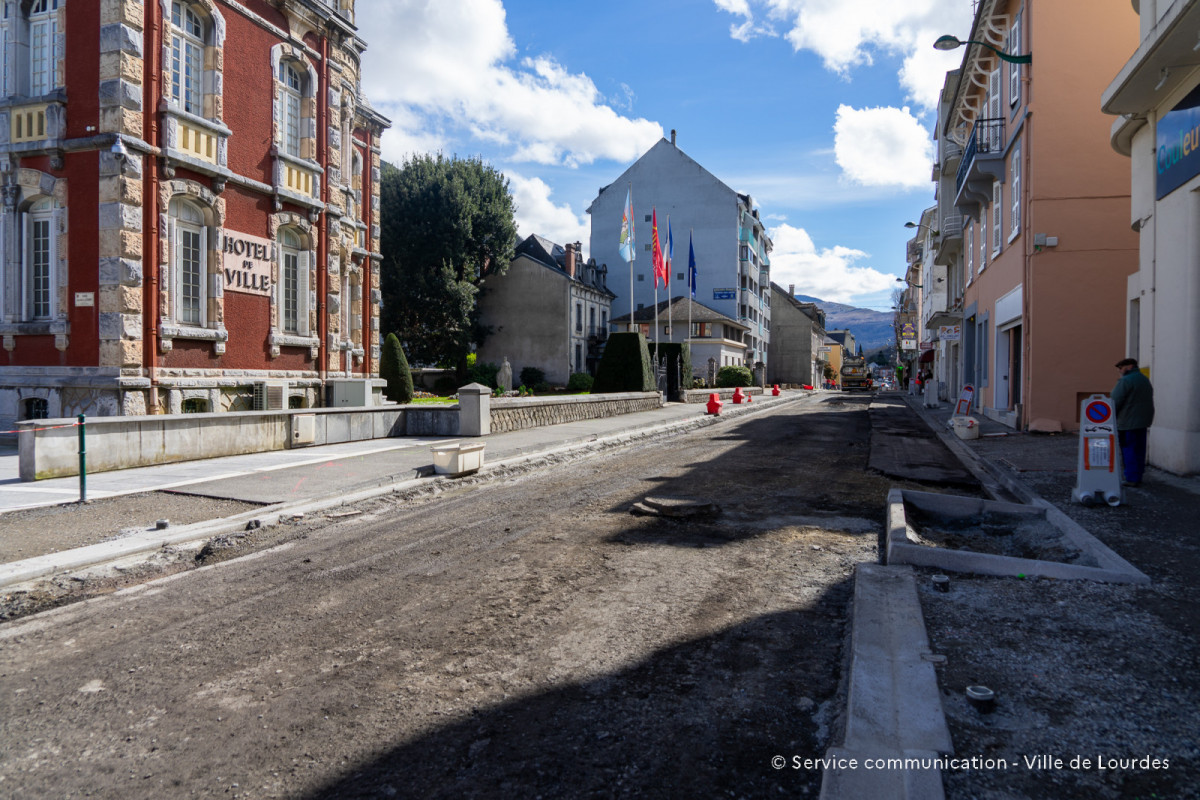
[[82, 459]]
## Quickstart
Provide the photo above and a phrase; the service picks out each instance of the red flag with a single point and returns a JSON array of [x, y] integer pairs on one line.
[[659, 267]]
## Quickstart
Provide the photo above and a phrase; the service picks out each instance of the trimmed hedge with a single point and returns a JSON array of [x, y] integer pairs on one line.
[[625, 365], [532, 376], [393, 368], [734, 376], [580, 382]]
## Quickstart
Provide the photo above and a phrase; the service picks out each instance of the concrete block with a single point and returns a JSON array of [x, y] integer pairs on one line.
[[117, 37], [475, 417]]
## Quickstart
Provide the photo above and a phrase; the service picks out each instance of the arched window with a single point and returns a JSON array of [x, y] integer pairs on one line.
[[293, 90], [188, 34], [35, 408], [189, 262], [293, 272], [39, 259], [43, 46]]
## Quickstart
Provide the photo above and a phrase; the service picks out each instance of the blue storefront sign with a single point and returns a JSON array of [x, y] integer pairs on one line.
[[724, 294], [1177, 145]]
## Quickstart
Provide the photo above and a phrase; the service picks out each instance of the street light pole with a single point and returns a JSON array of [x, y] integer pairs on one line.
[[949, 42]]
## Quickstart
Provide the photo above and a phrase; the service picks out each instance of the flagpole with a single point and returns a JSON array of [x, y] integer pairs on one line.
[[691, 287], [667, 277], [632, 256]]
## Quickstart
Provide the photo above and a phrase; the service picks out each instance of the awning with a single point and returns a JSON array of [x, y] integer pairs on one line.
[[926, 357]]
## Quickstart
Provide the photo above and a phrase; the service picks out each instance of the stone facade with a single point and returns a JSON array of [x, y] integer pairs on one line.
[[514, 414]]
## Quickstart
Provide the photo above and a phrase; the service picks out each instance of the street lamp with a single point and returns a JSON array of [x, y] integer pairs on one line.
[[949, 42], [911, 225], [910, 283]]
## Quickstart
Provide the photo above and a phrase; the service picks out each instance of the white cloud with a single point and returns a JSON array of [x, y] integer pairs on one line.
[[537, 213], [882, 147], [846, 34], [455, 64], [831, 274]]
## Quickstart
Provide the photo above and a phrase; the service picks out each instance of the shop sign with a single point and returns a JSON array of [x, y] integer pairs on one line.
[[1177, 145], [950, 333], [908, 344], [247, 261], [724, 294]]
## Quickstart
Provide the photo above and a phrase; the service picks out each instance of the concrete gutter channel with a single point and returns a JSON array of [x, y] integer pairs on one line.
[[895, 732], [149, 541]]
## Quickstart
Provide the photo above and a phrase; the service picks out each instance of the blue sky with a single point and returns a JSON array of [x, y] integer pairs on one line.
[[822, 110]]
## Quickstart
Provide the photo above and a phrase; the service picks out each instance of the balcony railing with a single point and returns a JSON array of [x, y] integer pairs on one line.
[[986, 137], [952, 226]]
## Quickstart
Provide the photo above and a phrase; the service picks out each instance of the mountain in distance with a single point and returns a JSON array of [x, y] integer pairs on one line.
[[872, 329]]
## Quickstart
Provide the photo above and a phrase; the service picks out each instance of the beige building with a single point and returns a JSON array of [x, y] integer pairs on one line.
[[797, 332], [1156, 95], [549, 310], [715, 340], [1033, 208]]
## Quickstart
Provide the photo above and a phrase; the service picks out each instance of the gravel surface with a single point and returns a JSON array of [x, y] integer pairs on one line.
[[23, 533], [522, 636], [1081, 670]]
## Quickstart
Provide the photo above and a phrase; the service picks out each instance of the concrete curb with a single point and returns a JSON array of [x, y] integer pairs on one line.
[[17, 572], [1110, 567], [893, 706]]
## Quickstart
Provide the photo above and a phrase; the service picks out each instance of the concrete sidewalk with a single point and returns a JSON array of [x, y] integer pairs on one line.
[[291, 475], [291, 482]]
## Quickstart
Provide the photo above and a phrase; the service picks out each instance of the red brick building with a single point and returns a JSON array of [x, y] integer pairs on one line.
[[190, 193]]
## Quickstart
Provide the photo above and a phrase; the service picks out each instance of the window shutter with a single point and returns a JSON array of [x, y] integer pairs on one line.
[[1014, 70]]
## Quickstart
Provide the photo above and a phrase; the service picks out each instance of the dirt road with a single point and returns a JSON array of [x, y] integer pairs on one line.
[[528, 637]]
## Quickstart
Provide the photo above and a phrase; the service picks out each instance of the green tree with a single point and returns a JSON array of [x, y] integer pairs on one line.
[[446, 225], [393, 368]]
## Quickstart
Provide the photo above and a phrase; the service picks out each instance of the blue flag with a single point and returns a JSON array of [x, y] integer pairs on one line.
[[691, 266]]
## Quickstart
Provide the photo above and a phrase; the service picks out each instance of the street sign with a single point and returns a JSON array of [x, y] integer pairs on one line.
[[963, 407], [1099, 479]]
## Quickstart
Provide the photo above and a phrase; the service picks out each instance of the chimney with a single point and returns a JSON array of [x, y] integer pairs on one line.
[[570, 266], [672, 137], [792, 290]]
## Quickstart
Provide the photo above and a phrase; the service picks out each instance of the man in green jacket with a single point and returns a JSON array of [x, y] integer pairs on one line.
[[1133, 400]]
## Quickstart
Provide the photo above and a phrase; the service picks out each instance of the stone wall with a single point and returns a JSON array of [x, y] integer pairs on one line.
[[518, 413], [726, 395]]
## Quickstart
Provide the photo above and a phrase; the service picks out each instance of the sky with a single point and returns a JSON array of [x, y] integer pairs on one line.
[[821, 110]]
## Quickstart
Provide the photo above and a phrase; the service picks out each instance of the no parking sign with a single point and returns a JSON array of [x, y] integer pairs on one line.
[[1098, 453]]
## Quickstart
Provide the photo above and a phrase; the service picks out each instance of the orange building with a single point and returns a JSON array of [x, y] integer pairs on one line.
[[1034, 207]]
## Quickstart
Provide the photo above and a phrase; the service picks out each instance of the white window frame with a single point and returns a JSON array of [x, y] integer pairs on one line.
[[1014, 188], [188, 33], [997, 217], [180, 228], [293, 283], [292, 103], [993, 112], [1014, 70], [970, 251], [983, 240], [38, 275], [43, 47]]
